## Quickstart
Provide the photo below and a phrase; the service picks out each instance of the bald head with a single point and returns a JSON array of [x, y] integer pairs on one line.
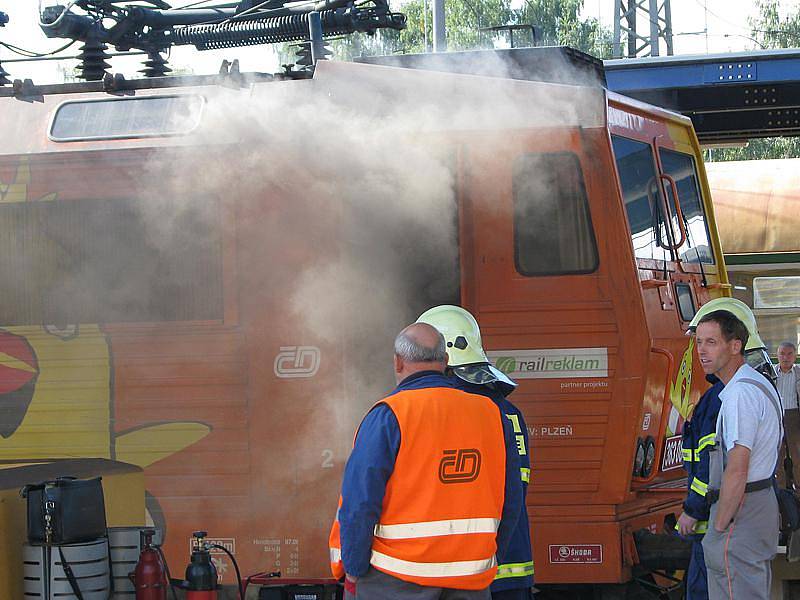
[[419, 347]]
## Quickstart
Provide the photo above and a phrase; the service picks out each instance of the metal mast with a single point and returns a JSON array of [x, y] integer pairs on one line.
[[655, 24]]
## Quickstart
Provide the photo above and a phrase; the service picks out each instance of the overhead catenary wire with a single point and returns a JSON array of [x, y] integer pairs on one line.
[[68, 57], [32, 53], [704, 5]]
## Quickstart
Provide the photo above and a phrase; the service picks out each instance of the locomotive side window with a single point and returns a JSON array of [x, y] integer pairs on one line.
[[642, 194], [99, 261], [553, 232], [682, 169], [115, 118], [685, 301]]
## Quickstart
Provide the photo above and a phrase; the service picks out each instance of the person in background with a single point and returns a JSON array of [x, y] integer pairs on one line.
[[789, 388], [471, 371], [788, 376], [426, 502]]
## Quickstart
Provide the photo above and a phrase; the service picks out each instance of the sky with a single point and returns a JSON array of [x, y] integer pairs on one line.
[[700, 26]]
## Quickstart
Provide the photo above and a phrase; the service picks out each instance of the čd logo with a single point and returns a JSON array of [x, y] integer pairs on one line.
[[460, 466]]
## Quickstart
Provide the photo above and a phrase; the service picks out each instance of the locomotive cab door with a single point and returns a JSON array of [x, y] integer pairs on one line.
[[677, 261]]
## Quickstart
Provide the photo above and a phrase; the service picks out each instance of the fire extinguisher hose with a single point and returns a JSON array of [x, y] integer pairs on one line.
[[166, 570], [235, 566]]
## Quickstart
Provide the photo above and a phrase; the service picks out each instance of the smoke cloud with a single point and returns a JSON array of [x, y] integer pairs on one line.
[[306, 222]]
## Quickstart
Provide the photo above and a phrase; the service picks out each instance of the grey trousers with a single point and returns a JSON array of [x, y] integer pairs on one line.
[[377, 585], [738, 559]]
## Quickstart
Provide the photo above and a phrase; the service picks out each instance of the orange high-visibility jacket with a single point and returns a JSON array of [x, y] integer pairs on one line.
[[444, 499]]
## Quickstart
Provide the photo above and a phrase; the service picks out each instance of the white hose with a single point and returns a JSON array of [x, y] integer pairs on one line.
[[69, 5]]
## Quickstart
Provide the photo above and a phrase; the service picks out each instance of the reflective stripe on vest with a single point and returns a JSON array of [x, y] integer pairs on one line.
[[506, 571], [699, 486], [461, 568], [525, 474], [404, 531], [336, 555]]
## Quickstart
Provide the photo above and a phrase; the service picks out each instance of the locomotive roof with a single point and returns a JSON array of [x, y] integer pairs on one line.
[[440, 101]]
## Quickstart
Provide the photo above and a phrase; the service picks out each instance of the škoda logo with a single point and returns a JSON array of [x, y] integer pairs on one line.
[[460, 466]]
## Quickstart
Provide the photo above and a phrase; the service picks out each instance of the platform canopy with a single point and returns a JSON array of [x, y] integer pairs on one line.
[[729, 97]]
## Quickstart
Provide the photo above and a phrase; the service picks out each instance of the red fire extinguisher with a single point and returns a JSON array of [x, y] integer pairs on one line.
[[150, 578], [201, 574]]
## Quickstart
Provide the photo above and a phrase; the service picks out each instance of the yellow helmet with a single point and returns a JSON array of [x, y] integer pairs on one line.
[[740, 310], [464, 349]]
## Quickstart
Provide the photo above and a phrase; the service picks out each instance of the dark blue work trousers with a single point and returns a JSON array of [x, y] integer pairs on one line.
[[696, 577]]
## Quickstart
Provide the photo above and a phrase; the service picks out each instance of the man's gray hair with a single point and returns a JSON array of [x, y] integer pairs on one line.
[[410, 350], [788, 344]]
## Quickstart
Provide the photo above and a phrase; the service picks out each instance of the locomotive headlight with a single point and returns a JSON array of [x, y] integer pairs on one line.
[[638, 460], [649, 456]]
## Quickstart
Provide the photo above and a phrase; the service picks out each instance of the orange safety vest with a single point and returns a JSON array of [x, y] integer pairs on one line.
[[444, 499], [335, 547]]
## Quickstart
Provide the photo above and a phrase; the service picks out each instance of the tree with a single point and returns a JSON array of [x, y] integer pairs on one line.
[[558, 22], [769, 30], [772, 31]]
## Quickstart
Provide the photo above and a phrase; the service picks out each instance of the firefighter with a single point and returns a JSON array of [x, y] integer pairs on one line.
[[699, 433], [471, 371], [426, 499], [699, 439]]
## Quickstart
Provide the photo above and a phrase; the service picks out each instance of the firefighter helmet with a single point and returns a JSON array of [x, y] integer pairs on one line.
[[755, 350], [466, 356], [740, 310]]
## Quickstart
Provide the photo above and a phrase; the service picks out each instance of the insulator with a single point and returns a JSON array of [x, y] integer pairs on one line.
[[155, 65], [93, 61], [303, 55]]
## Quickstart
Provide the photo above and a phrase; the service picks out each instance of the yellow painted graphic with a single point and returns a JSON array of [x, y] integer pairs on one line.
[[70, 414], [681, 389], [16, 190], [56, 399]]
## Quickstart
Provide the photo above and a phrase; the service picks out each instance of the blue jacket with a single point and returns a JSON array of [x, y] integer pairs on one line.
[[698, 440], [515, 565], [371, 463]]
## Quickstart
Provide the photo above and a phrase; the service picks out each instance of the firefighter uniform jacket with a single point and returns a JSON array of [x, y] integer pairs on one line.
[[698, 440], [426, 495], [515, 565]]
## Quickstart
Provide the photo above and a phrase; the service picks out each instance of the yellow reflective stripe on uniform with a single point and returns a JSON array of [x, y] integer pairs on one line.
[[335, 554], [460, 568], [405, 531], [514, 570], [701, 527], [699, 487], [704, 442], [525, 474], [688, 456]]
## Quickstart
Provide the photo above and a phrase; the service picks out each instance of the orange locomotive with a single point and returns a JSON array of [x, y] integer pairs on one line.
[[216, 302]]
